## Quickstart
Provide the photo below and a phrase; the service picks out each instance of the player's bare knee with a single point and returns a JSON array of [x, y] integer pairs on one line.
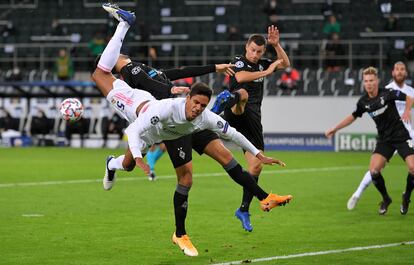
[[244, 96], [375, 173], [186, 179]]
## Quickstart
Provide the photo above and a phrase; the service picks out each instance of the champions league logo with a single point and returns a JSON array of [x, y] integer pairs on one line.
[[239, 64], [220, 125], [136, 70], [155, 120]]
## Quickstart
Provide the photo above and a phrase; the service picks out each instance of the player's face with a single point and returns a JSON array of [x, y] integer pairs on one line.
[[371, 83], [399, 73], [195, 105], [254, 52]]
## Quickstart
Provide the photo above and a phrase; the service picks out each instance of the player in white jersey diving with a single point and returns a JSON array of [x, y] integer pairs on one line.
[[399, 75], [153, 121]]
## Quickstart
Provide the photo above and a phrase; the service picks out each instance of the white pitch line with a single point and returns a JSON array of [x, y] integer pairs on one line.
[[326, 252], [197, 175], [32, 215]]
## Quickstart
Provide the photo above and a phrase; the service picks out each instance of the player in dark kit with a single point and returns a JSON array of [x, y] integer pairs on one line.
[[242, 104], [379, 103]]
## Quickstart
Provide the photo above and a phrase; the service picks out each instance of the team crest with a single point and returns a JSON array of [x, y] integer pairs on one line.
[[181, 153], [155, 120], [220, 125], [136, 70], [239, 64], [260, 67]]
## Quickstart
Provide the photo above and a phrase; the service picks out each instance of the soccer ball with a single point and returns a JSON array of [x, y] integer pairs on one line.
[[71, 109]]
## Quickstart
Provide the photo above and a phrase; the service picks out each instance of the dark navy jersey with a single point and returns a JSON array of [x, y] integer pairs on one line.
[[158, 82], [383, 111], [254, 88]]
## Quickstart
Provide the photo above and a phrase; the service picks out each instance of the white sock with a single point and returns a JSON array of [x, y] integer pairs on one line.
[[116, 163], [364, 184], [111, 53]]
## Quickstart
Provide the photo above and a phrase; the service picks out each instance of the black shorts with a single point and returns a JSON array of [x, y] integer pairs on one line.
[[249, 124], [180, 151], [387, 149]]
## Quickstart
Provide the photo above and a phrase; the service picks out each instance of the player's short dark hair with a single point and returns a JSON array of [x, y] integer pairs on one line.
[[200, 88], [258, 39]]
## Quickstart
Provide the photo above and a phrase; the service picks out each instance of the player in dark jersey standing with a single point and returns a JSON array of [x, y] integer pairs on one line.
[[242, 104], [379, 103]]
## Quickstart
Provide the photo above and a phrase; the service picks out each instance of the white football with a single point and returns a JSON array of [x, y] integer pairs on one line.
[[71, 109]]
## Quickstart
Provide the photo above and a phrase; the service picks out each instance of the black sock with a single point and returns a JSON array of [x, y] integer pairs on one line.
[[379, 183], [180, 209], [247, 197], [410, 186], [243, 178]]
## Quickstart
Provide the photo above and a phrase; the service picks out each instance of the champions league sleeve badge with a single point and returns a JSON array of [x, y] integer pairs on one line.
[[239, 64]]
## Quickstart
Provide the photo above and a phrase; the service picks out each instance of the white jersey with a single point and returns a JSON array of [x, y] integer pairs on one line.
[[409, 91], [165, 120]]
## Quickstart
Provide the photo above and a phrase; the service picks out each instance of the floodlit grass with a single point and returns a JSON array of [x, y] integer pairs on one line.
[[80, 223]]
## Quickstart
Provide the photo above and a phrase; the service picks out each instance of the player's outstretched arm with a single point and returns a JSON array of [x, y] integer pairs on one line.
[[142, 165], [245, 76], [270, 160], [225, 68], [406, 117], [273, 38], [344, 123]]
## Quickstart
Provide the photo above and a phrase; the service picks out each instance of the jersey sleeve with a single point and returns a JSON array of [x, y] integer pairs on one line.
[[394, 94], [189, 71], [239, 64], [359, 110], [135, 142], [265, 62], [217, 124]]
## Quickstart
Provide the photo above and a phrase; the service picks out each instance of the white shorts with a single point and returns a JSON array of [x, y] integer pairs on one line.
[[125, 100]]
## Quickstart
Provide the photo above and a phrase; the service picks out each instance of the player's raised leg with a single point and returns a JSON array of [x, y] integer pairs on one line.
[[102, 75]]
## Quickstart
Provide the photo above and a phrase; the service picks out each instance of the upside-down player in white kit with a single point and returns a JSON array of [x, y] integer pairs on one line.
[[154, 121], [399, 75]]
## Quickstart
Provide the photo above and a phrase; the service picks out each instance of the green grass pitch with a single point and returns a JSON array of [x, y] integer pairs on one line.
[[53, 210]]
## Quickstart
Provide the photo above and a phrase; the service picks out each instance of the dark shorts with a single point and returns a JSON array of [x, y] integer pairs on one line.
[[180, 151], [387, 149], [249, 124]]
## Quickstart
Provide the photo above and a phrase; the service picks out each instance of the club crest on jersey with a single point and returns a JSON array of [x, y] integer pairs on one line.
[[136, 70], [239, 64], [155, 120], [260, 67], [220, 125], [382, 100]]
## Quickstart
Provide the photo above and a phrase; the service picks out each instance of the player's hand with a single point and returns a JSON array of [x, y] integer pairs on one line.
[[176, 90], [141, 164], [406, 117], [329, 133], [273, 66], [273, 35], [270, 160], [225, 68]]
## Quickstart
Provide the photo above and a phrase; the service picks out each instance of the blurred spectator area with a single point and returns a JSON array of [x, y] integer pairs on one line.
[[195, 32]]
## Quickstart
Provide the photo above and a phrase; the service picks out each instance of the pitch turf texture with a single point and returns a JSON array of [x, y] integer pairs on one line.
[[55, 212]]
